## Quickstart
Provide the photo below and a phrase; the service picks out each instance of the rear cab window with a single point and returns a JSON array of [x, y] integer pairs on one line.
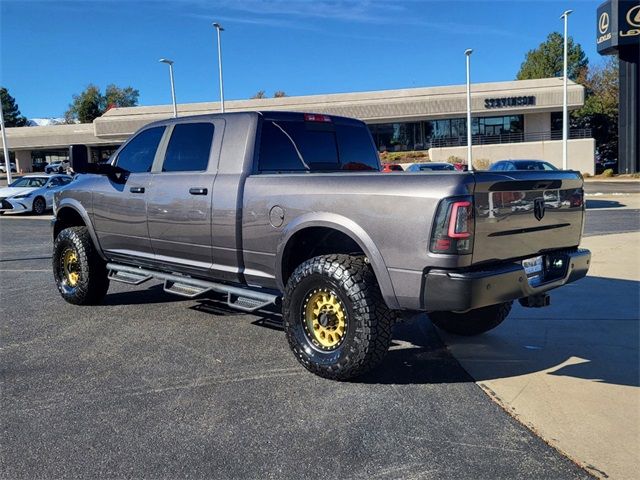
[[315, 143]]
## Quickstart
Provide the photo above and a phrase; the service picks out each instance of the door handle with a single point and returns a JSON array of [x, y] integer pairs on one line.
[[198, 191], [136, 189]]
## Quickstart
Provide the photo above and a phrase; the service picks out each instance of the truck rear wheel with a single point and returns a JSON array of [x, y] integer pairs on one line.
[[335, 319], [80, 274], [473, 322]]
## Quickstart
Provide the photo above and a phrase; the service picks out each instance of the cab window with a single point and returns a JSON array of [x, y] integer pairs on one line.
[[189, 148], [137, 155], [290, 146]]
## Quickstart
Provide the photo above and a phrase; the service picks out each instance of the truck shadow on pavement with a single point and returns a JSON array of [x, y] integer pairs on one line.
[[595, 204], [591, 331]]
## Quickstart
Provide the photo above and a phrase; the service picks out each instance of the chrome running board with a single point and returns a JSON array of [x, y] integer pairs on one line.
[[244, 299]]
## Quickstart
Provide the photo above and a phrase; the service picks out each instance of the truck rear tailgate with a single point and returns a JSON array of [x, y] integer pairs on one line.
[[525, 213]]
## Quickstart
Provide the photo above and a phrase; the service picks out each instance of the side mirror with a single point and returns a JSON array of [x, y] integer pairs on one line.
[[79, 158]]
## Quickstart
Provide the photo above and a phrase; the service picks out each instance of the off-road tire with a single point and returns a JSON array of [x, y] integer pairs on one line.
[[39, 206], [473, 322], [369, 320], [93, 281]]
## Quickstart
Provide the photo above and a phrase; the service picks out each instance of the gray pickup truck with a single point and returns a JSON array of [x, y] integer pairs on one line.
[[291, 209]]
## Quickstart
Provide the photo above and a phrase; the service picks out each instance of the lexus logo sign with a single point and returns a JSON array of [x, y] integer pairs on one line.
[[603, 23], [633, 16]]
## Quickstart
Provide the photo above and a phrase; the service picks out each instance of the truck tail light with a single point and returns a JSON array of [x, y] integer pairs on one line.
[[453, 226], [314, 117]]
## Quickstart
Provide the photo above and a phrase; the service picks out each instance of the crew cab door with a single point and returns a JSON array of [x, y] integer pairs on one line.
[[120, 207], [180, 192]]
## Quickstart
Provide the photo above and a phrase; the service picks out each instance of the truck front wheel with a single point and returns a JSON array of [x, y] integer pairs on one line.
[[335, 319], [473, 322], [80, 274]]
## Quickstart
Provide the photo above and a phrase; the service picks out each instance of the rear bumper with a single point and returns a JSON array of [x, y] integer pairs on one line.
[[446, 290]]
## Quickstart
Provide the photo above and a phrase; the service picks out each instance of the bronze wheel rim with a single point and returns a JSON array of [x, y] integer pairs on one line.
[[325, 319], [70, 267]]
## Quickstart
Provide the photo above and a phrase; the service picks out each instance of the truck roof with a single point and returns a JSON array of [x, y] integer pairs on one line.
[[266, 114]]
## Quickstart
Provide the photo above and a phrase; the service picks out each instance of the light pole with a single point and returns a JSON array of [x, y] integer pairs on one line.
[[219, 29], [468, 53], [173, 88], [5, 148], [565, 115]]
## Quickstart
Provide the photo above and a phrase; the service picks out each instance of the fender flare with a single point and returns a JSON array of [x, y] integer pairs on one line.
[[352, 230], [74, 204]]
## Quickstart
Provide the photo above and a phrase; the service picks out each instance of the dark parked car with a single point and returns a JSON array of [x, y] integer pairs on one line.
[[505, 165], [39, 165], [431, 167]]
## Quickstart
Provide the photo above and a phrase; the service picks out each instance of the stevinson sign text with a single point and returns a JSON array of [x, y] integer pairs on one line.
[[509, 102]]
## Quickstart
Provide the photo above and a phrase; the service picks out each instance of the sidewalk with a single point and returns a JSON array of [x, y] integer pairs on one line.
[[571, 371]]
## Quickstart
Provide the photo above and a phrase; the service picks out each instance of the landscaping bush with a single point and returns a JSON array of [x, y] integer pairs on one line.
[[481, 163], [454, 159], [404, 157], [608, 172]]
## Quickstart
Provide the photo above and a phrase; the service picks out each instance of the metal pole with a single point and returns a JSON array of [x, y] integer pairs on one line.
[[5, 147], [468, 53], [219, 29], [173, 90], [565, 114]]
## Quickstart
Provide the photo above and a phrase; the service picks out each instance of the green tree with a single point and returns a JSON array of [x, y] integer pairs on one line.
[[600, 109], [91, 103], [120, 97], [547, 60], [12, 115]]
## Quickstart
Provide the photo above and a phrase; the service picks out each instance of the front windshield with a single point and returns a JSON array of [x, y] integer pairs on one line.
[[33, 182]]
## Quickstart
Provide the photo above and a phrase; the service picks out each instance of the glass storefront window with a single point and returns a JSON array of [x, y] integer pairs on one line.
[[445, 132]]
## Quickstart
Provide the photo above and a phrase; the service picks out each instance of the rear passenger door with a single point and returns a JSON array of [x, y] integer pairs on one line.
[[179, 199]]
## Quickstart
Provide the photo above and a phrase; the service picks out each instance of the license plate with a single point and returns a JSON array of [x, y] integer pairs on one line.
[[532, 266]]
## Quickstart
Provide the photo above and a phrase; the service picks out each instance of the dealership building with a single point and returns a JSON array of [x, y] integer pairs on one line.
[[516, 119]]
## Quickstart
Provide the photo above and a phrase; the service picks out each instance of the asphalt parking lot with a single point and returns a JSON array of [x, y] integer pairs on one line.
[[150, 385]]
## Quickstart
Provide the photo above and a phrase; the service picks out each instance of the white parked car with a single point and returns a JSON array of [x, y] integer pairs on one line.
[[32, 193], [57, 167], [3, 167]]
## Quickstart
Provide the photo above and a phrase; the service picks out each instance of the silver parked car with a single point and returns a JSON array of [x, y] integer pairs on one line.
[[3, 167], [507, 165], [32, 193], [57, 167], [431, 167]]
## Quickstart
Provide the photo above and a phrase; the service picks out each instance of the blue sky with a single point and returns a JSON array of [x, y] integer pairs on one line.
[[53, 49]]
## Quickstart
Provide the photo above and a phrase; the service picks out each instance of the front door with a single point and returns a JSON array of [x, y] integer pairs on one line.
[[120, 208], [179, 198]]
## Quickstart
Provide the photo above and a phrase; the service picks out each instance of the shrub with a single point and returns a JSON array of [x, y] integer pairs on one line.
[[481, 163], [404, 157], [586, 174], [454, 159], [608, 172]]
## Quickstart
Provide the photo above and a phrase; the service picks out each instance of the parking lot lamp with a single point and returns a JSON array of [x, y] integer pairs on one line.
[[565, 115], [468, 53], [173, 89], [219, 29], [5, 148]]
